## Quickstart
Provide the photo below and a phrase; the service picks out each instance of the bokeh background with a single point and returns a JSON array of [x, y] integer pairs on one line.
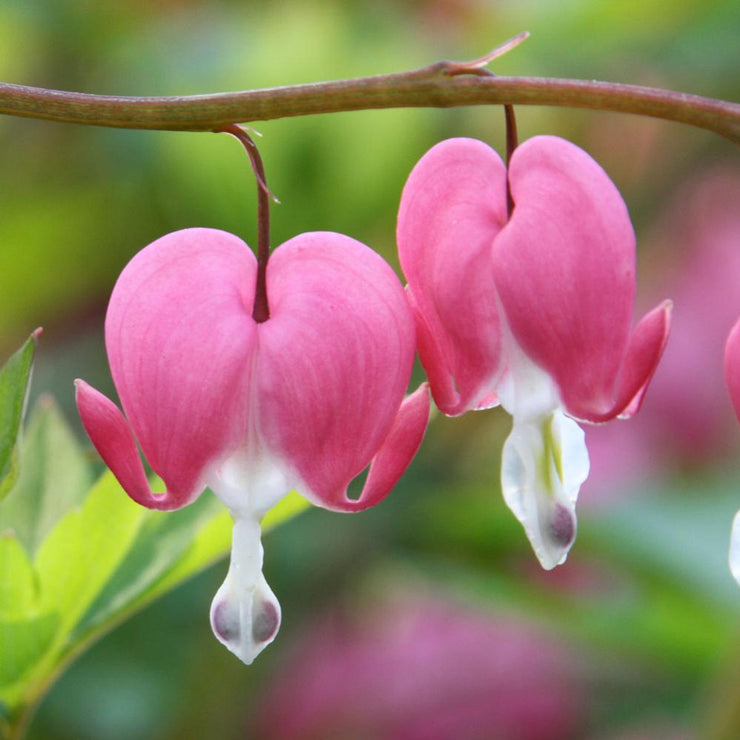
[[426, 617]]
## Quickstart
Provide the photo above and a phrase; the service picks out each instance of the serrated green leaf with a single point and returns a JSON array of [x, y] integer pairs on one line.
[[15, 377], [54, 478]]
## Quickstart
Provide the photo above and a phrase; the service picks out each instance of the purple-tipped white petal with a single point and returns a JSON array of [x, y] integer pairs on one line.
[[180, 340], [565, 271], [544, 463], [333, 364], [452, 208], [245, 615], [734, 556]]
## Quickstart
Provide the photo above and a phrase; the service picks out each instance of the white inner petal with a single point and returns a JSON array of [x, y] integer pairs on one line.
[[245, 615], [735, 548], [526, 391], [543, 465], [544, 460], [250, 483]]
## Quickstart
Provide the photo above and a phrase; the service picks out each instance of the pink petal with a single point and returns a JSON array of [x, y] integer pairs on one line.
[[180, 340], [644, 351], [732, 367], [113, 439], [393, 457], [452, 208], [565, 271], [335, 359]]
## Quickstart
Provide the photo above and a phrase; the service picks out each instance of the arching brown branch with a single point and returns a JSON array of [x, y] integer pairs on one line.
[[440, 85]]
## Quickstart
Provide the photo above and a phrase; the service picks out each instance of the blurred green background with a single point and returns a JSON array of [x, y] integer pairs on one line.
[[645, 609]]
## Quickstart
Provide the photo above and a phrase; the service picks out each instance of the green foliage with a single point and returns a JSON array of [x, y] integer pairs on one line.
[[14, 380], [76, 560]]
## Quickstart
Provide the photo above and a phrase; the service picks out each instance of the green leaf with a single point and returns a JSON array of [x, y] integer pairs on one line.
[[18, 586], [83, 551], [25, 631], [54, 478], [15, 377], [72, 565], [163, 540], [22, 645]]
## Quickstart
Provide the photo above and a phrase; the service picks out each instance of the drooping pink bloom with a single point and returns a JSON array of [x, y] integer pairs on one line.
[[304, 400], [532, 311]]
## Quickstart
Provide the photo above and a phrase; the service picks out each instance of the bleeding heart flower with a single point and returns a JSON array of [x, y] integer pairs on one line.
[[532, 310], [303, 400]]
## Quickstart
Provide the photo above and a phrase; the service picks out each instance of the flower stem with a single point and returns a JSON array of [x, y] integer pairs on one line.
[[512, 141], [261, 308], [440, 85]]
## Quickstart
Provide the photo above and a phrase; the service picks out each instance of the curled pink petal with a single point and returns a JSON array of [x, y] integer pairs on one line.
[[180, 340], [732, 367], [644, 351], [393, 457], [565, 271], [113, 439], [334, 361], [452, 208]]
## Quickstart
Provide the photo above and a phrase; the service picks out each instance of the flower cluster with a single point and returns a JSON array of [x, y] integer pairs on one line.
[[528, 306]]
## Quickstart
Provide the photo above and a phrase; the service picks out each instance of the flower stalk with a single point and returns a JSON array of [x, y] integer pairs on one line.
[[261, 308], [512, 141]]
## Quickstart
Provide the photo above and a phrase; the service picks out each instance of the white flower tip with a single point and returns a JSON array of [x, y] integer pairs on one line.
[[245, 623], [556, 536], [245, 615], [544, 463], [562, 528], [734, 557]]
